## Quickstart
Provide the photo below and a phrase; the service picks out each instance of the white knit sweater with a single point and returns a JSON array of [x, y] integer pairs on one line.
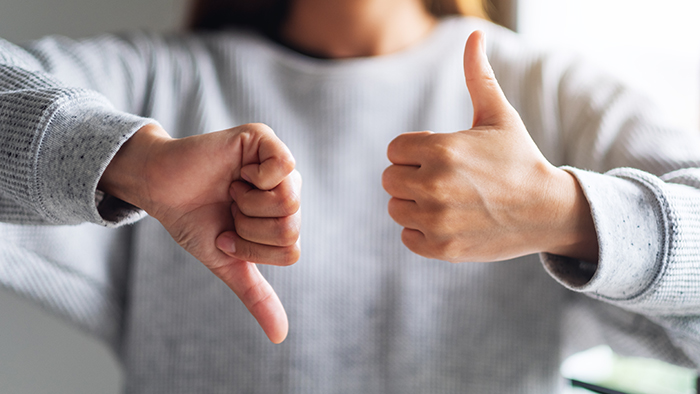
[[366, 315]]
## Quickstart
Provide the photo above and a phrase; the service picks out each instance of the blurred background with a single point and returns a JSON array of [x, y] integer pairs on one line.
[[652, 45], [40, 354]]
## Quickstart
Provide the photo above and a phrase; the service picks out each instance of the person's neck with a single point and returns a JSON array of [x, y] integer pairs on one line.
[[355, 28]]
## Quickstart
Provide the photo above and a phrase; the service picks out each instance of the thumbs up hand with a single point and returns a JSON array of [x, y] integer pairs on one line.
[[487, 193]]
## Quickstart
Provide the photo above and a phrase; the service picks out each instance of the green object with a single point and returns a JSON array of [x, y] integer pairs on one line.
[[599, 366], [647, 376]]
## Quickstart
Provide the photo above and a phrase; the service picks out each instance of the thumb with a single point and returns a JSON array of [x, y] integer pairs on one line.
[[257, 295], [490, 104]]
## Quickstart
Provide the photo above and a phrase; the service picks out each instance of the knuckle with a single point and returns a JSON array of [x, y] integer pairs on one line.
[[287, 231], [393, 181], [296, 180], [289, 203], [240, 220], [449, 250], [386, 179], [258, 127], [393, 208], [394, 146], [290, 255], [444, 150], [435, 188], [409, 240], [430, 186], [287, 163], [241, 225]]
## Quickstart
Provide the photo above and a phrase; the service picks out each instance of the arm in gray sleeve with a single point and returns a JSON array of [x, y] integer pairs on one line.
[[641, 179], [643, 188], [65, 109]]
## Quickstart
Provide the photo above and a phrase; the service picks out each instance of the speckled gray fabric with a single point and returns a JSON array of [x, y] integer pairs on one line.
[[366, 315]]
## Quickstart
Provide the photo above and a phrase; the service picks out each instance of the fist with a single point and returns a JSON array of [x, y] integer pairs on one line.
[[483, 194]]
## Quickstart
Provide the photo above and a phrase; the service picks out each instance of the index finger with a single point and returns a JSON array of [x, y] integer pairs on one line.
[[405, 149], [266, 160]]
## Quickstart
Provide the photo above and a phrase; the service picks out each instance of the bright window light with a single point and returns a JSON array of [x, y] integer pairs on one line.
[[652, 45]]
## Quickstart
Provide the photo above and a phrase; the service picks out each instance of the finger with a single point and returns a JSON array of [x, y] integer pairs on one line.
[[266, 159], [487, 97], [399, 181], [404, 213], [415, 241], [283, 200], [257, 295], [418, 243], [233, 245], [406, 148], [282, 231]]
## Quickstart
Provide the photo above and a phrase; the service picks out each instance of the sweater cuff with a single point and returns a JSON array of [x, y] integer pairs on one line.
[[81, 138], [627, 219]]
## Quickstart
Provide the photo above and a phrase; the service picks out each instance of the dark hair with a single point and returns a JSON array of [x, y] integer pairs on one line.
[[267, 15]]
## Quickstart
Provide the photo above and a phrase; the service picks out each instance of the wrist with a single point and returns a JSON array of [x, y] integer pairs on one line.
[[126, 176], [573, 232]]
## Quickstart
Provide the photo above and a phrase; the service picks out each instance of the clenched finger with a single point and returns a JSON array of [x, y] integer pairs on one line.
[[233, 245], [404, 213], [400, 181], [283, 200], [407, 148], [279, 231]]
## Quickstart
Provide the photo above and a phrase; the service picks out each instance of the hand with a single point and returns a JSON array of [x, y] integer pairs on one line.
[[488, 193], [230, 198]]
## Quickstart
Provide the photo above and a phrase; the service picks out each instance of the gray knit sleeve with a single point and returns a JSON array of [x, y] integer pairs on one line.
[[649, 235], [642, 182], [59, 128], [641, 178]]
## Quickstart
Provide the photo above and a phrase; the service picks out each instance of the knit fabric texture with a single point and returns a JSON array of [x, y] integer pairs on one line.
[[366, 315]]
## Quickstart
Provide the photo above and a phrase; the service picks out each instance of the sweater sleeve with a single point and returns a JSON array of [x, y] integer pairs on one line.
[[66, 107], [649, 251], [642, 182], [641, 178], [649, 257]]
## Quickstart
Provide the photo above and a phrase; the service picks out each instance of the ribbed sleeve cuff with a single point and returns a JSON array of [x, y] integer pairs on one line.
[[81, 137], [629, 224]]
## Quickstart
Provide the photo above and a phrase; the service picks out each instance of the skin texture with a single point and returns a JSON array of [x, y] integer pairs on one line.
[[487, 193], [356, 28], [229, 198]]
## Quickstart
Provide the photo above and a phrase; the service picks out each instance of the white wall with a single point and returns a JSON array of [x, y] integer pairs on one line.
[[30, 19], [39, 353], [653, 45]]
